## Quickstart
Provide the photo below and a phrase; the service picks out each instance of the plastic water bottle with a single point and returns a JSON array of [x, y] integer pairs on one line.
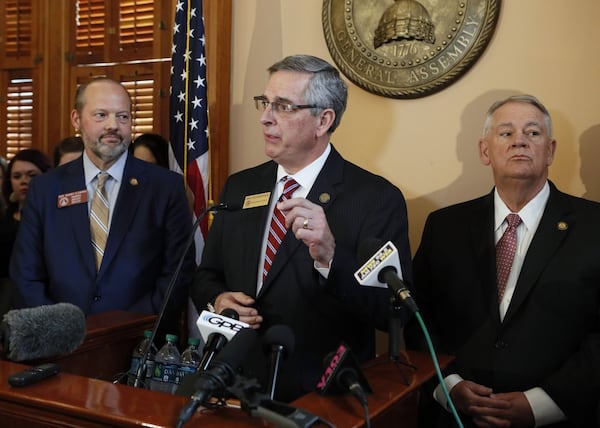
[[165, 377], [136, 357], [190, 358]]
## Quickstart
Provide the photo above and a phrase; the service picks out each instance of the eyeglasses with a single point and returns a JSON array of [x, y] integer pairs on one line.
[[262, 103]]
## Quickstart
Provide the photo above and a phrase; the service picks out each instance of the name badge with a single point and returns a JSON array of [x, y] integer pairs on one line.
[[258, 200], [73, 198]]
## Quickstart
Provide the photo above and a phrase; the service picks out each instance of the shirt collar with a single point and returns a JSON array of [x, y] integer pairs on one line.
[[116, 170], [307, 175], [530, 214]]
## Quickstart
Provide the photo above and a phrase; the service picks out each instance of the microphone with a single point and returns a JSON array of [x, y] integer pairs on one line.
[[221, 373], [384, 268], [142, 367], [42, 332], [279, 342], [343, 374], [216, 330]]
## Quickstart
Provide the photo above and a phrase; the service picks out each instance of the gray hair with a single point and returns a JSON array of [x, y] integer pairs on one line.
[[325, 89], [526, 99]]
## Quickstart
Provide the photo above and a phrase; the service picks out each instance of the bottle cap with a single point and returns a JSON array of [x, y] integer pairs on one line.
[[171, 338], [193, 341]]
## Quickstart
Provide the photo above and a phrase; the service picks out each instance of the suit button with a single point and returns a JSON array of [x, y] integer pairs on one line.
[[501, 344], [96, 298]]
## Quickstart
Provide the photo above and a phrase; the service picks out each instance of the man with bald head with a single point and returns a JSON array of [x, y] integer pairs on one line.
[[123, 258]]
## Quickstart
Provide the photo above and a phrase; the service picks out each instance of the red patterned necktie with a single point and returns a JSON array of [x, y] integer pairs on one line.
[[505, 252], [277, 229]]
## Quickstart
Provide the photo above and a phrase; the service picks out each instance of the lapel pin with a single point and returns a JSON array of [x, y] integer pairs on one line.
[[133, 181], [562, 225], [324, 198]]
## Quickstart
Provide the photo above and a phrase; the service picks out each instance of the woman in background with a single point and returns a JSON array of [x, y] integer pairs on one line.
[[68, 149], [151, 148], [24, 166]]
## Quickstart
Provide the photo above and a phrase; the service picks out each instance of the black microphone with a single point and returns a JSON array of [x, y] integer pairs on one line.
[[342, 374], [381, 268], [279, 342], [142, 367], [42, 332], [215, 341], [221, 373]]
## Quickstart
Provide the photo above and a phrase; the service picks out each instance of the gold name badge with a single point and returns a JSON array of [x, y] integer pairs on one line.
[[258, 200]]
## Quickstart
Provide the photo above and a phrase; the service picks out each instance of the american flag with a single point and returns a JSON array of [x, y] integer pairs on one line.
[[189, 108], [188, 112]]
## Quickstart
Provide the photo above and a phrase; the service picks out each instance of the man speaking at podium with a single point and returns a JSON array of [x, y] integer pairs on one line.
[[288, 255], [105, 231]]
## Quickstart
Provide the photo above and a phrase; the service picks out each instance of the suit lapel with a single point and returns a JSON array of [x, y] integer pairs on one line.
[[547, 239], [73, 180], [133, 186], [248, 229], [481, 226]]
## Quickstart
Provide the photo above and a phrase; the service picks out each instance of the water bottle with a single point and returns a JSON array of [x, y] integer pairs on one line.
[[190, 358], [165, 377], [136, 357]]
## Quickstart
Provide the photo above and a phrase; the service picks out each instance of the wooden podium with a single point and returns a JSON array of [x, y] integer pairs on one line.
[[106, 350], [88, 401]]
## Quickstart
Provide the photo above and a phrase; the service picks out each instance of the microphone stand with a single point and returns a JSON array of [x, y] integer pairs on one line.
[[395, 327], [142, 367], [260, 405]]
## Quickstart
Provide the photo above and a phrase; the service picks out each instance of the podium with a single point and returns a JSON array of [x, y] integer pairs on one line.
[[89, 401]]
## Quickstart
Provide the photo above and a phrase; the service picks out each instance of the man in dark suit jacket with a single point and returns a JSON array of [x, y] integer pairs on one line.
[[53, 260], [530, 356], [310, 286]]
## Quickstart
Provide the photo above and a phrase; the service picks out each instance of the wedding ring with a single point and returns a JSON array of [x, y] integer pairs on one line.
[[305, 223]]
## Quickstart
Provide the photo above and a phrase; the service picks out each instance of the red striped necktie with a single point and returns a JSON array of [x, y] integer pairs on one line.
[[277, 229]]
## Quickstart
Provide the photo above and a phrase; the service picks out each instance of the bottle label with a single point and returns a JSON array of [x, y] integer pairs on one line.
[[185, 370], [168, 373], [135, 362]]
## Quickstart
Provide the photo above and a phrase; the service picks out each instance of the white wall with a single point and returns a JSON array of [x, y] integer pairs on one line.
[[427, 146]]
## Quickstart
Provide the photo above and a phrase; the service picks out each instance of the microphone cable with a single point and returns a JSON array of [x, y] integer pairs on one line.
[[360, 394], [437, 369]]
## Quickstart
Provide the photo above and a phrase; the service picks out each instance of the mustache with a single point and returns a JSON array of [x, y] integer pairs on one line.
[[111, 134]]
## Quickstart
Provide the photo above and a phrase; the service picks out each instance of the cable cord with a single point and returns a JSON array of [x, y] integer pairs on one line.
[[437, 370], [359, 393]]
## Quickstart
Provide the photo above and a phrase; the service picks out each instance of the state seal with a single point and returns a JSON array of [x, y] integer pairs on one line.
[[407, 48]]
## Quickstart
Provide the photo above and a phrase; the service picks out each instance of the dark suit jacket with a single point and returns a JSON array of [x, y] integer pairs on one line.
[[550, 336], [321, 313], [53, 259]]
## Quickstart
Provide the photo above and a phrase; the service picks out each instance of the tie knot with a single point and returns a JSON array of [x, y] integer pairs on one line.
[[289, 187], [102, 177], [513, 220]]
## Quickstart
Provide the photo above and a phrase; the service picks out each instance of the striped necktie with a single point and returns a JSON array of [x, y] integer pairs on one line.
[[505, 252], [99, 218], [277, 229]]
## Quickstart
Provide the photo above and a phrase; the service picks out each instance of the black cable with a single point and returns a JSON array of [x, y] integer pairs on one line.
[[360, 394]]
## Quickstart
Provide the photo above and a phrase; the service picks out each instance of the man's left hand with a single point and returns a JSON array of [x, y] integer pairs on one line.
[[309, 224], [519, 414]]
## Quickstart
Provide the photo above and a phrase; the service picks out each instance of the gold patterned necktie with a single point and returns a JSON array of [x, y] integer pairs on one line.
[[99, 218], [505, 252]]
